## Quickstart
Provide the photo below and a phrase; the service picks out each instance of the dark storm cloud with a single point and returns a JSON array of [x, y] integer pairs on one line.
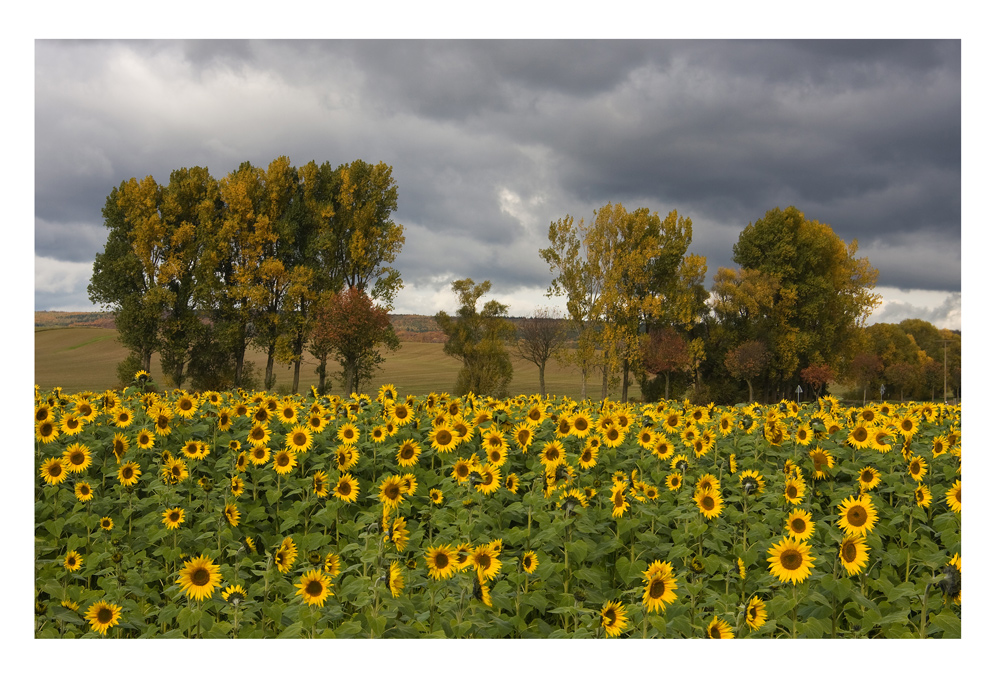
[[491, 140]]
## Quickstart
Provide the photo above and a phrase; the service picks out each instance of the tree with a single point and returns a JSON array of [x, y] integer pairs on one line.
[[478, 339], [539, 338], [356, 329], [904, 376], [817, 377], [664, 353], [864, 369], [748, 360], [825, 292], [620, 269]]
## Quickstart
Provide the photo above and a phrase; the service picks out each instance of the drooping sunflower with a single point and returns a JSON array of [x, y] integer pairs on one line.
[[232, 514], [869, 478], [441, 561], [800, 525], [790, 560], [756, 613], [394, 579], [719, 628], [613, 619], [619, 502], [857, 516], [922, 495], [286, 554], [119, 445], [128, 473], [752, 483], [660, 586], [172, 518], [512, 482], [853, 553], [709, 503], [795, 489], [199, 578], [103, 615], [234, 594], [314, 587], [347, 488], [529, 561], [285, 461], [954, 496], [319, 481], [73, 561], [77, 457], [331, 564]]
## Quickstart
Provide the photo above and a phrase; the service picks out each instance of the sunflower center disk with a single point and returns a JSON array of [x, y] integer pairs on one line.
[[791, 560]]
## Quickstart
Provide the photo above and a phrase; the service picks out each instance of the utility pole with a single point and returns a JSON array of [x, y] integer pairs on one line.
[[945, 342]]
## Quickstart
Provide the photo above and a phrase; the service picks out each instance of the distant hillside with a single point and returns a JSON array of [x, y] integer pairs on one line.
[[48, 319]]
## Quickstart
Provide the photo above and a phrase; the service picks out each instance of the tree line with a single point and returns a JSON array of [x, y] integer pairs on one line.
[[200, 269], [790, 315]]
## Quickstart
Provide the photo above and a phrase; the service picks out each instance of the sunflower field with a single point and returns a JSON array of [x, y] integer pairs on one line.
[[249, 515]]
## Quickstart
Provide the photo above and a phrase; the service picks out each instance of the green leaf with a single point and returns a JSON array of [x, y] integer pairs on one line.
[[950, 625], [292, 631]]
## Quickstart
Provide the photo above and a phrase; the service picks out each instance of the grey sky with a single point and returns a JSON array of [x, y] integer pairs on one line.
[[490, 141]]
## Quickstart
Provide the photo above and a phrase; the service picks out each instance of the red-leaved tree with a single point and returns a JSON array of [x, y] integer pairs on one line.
[[666, 352], [354, 329], [817, 376]]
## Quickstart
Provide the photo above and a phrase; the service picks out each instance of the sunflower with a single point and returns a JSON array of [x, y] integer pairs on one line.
[[679, 463], [259, 435], [580, 424], [347, 488], [907, 426], [553, 454], [441, 561], [756, 613], [347, 457], [314, 587], [790, 560], [77, 457], [719, 628], [103, 615], [83, 491], [461, 470], [709, 503], [882, 439], [490, 482], [660, 586], [709, 483], [400, 413], [394, 579], [331, 564], [107, 524], [613, 619], [857, 516], [436, 496], [288, 413], [72, 561], [46, 431], [199, 578], [299, 439], [285, 461], [822, 462], [408, 454], [662, 448], [71, 424], [800, 525], [390, 492], [232, 514], [868, 478], [922, 495], [234, 594], [853, 554], [954, 496], [917, 468], [529, 561], [285, 556], [119, 445], [795, 489], [128, 473], [512, 482], [485, 560], [259, 455], [443, 439], [463, 556], [740, 569], [523, 435], [161, 423], [319, 481], [173, 517], [186, 406], [613, 436], [621, 504], [752, 483], [674, 481]]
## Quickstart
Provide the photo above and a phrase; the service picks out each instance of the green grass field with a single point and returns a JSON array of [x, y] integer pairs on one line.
[[84, 359]]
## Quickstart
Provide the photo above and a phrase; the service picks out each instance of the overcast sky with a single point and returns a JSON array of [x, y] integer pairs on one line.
[[490, 141]]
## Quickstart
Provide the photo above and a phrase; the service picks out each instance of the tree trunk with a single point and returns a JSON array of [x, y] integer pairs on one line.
[[604, 381], [583, 386], [269, 371], [625, 380], [295, 378], [750, 386], [541, 378], [321, 370], [666, 390]]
